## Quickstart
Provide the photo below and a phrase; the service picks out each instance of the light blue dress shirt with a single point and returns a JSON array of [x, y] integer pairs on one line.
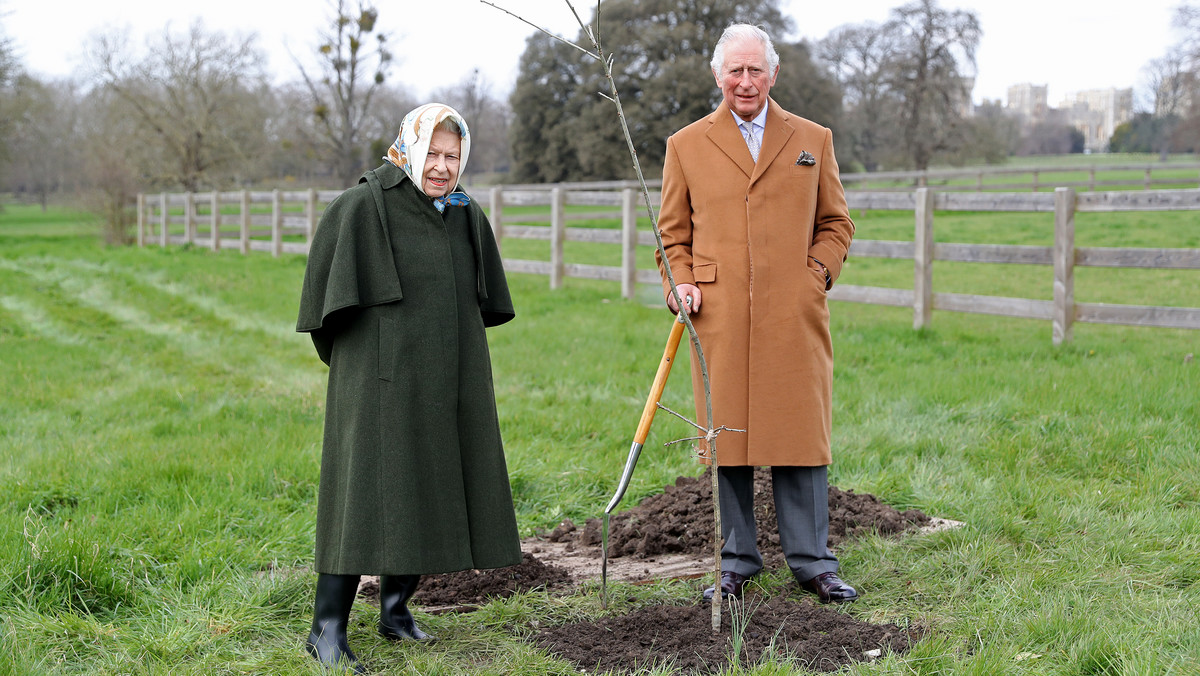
[[757, 126]]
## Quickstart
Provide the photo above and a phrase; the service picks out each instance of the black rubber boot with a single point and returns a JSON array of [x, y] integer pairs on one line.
[[395, 619], [327, 640]]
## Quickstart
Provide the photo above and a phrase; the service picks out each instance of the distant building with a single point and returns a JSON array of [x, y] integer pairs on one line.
[[1097, 113], [1028, 102]]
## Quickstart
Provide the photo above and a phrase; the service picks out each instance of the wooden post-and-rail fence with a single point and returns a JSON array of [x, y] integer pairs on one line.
[[292, 213], [1148, 177], [243, 220], [1063, 312]]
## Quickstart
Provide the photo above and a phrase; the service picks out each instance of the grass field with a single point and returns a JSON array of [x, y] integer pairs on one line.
[[1075, 169], [160, 426]]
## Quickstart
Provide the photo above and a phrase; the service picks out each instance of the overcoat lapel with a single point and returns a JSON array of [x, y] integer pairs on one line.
[[725, 134], [775, 137]]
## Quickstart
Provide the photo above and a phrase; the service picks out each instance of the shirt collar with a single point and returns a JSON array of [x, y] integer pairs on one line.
[[759, 120]]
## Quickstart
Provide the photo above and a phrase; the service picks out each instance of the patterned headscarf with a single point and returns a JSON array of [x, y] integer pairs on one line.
[[412, 145]]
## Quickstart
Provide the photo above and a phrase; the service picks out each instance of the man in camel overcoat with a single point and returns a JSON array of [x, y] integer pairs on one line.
[[755, 228]]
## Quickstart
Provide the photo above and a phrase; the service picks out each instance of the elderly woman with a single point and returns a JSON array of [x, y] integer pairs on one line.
[[403, 276]]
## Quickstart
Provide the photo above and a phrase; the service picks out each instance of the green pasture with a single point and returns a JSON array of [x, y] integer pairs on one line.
[[1077, 170], [1092, 285], [160, 426]]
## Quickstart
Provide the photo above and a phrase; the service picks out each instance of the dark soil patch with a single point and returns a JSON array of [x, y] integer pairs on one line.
[[467, 588], [476, 586], [816, 638], [679, 521]]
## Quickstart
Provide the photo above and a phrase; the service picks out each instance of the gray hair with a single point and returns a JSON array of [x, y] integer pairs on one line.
[[739, 32], [450, 125]]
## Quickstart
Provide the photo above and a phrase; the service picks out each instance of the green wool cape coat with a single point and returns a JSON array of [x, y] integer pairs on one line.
[[396, 297]]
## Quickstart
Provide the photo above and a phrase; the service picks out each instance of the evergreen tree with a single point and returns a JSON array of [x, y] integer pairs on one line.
[[563, 130]]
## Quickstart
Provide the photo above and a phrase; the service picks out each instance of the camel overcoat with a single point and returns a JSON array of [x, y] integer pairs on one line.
[[743, 232]]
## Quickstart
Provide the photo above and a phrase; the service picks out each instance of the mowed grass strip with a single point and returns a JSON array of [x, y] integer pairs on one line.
[[160, 437]]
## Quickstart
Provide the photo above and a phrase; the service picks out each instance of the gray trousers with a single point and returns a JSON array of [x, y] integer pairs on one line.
[[802, 509]]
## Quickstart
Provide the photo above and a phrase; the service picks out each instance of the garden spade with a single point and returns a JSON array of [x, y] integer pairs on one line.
[[643, 429]]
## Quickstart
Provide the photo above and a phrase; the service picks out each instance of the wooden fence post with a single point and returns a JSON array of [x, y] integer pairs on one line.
[[215, 207], [162, 213], [1035, 180], [310, 211], [923, 259], [1064, 265], [558, 232], [1092, 179], [244, 235], [496, 216], [629, 240], [1147, 179], [189, 217], [276, 223], [141, 231]]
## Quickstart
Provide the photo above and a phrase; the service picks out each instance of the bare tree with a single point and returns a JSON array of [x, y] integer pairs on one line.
[[199, 97], [10, 69], [1050, 138], [994, 135], [907, 85], [9, 66], [859, 57], [1187, 21], [1186, 134], [293, 145], [489, 119], [351, 72], [1169, 92], [110, 155], [382, 125], [1171, 85], [933, 70], [43, 120]]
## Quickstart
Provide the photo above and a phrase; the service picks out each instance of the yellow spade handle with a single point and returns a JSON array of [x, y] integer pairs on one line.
[[660, 382]]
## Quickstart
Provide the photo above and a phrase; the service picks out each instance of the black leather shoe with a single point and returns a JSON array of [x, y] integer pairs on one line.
[[830, 588], [731, 583]]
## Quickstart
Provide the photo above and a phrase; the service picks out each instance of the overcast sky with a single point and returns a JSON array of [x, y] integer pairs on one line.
[[1069, 46]]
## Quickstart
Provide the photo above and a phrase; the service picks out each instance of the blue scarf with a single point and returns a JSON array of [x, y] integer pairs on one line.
[[454, 199]]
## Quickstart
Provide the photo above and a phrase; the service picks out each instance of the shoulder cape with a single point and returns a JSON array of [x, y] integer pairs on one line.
[[350, 262]]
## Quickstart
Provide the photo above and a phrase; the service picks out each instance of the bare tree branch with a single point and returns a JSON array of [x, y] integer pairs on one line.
[[708, 432], [553, 35]]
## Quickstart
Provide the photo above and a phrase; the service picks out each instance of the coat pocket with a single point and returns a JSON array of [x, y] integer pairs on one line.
[[387, 348], [706, 272]]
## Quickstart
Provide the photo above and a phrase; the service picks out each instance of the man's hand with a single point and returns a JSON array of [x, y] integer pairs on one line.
[[686, 291]]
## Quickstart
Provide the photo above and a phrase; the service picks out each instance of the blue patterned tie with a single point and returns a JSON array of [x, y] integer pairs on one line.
[[455, 199]]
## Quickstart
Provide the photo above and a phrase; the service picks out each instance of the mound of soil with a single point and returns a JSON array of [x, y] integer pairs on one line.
[[476, 586], [469, 588], [680, 520], [817, 638]]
